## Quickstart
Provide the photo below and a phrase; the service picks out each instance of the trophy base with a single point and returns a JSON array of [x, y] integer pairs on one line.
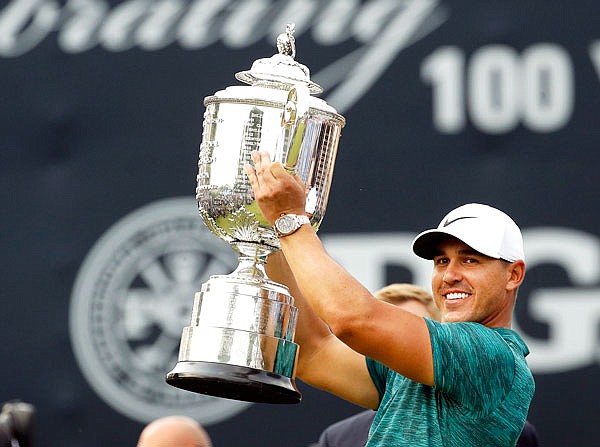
[[234, 382]]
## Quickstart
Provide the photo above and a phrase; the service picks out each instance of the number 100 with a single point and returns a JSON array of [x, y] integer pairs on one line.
[[502, 88]]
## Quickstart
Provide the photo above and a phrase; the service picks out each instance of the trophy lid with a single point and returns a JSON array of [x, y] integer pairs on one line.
[[280, 70]]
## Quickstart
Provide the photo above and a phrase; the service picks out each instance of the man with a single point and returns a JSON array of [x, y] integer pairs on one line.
[[465, 383], [353, 431], [174, 431]]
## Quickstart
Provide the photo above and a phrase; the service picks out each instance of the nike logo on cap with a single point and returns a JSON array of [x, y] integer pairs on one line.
[[448, 222]]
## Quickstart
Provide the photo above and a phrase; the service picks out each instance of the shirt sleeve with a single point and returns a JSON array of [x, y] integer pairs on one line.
[[378, 374], [473, 365]]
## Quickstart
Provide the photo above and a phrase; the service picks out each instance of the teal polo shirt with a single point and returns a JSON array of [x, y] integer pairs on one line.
[[483, 388]]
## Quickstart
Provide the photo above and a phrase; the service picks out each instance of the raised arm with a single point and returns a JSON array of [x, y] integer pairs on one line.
[[378, 330], [324, 361]]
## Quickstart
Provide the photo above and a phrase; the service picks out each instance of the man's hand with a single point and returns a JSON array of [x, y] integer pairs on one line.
[[275, 190]]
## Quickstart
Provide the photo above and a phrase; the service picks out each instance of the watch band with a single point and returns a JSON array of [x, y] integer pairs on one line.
[[289, 223]]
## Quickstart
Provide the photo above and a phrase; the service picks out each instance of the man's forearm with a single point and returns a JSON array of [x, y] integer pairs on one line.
[[333, 294], [310, 329]]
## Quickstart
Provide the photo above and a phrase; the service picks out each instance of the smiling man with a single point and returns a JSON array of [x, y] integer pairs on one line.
[[462, 382], [475, 249]]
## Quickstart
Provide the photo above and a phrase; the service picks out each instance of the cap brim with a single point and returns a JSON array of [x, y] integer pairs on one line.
[[426, 244]]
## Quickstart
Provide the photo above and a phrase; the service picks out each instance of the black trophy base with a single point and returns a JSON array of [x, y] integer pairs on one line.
[[234, 382]]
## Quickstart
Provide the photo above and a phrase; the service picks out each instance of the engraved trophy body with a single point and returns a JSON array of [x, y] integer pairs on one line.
[[240, 342]]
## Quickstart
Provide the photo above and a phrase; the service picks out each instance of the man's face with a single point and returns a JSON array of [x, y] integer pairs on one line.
[[469, 286]]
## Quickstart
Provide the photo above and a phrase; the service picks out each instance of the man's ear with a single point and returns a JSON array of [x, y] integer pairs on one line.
[[516, 272]]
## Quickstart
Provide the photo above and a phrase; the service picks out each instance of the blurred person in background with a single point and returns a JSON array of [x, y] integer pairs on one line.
[[174, 431]]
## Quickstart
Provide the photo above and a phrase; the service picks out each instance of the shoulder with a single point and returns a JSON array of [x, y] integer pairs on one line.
[[476, 336], [472, 360], [466, 327]]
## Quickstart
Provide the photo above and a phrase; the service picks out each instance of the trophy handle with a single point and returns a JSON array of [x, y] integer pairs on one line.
[[293, 125]]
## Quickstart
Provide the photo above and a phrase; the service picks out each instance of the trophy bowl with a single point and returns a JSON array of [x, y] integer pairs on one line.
[[240, 341]]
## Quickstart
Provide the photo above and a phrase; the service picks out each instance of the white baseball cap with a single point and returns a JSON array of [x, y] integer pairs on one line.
[[483, 228]]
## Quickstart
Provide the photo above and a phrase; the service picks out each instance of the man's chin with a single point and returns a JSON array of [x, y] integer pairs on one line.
[[453, 317]]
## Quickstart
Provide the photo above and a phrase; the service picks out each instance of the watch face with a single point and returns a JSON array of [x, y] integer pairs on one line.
[[286, 224]]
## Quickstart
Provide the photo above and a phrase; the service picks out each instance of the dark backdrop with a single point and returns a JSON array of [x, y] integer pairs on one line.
[[446, 103]]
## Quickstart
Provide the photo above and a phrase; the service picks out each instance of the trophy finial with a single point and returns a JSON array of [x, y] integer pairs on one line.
[[286, 43], [280, 70]]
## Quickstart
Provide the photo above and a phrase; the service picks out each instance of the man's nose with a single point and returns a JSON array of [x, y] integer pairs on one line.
[[452, 273]]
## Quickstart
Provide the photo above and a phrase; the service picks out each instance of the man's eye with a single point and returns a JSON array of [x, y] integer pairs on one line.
[[440, 261]]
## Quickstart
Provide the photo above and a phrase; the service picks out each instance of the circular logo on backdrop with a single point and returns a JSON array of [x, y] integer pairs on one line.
[[131, 299]]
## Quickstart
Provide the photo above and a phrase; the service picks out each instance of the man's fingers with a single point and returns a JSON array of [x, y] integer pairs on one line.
[[278, 170], [251, 173], [265, 158], [263, 166], [261, 159], [255, 159]]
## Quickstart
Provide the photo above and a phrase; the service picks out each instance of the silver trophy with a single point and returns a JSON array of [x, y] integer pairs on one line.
[[240, 342]]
